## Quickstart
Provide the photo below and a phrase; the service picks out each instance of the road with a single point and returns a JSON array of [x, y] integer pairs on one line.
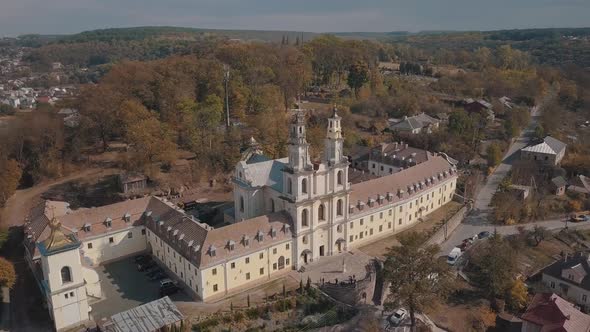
[[478, 219]]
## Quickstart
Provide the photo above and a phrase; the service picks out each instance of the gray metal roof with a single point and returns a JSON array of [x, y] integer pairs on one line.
[[148, 317], [549, 145], [266, 173]]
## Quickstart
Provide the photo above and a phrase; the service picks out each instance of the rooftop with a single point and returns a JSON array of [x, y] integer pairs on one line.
[[548, 145], [148, 317], [553, 313]]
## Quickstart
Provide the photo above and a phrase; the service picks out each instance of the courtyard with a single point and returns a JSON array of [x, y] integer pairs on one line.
[[123, 288]]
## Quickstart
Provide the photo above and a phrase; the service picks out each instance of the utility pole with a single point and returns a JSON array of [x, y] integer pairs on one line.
[[226, 81]]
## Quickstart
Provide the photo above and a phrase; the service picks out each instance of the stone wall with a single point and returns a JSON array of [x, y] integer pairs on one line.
[[352, 293], [445, 231]]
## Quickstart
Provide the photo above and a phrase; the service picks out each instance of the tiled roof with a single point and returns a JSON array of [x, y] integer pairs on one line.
[[414, 122], [559, 181], [398, 154], [579, 261], [431, 172], [553, 313]]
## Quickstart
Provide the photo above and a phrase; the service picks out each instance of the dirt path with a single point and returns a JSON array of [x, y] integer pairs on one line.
[[22, 201]]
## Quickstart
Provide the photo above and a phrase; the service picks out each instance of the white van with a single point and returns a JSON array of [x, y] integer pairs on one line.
[[454, 256]]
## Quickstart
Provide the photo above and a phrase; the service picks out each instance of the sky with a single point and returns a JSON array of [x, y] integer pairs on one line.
[[72, 16]]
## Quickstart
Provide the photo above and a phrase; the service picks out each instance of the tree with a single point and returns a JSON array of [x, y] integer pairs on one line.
[[460, 123], [152, 140], [517, 296], [538, 234], [417, 278], [10, 174], [494, 266], [7, 273], [6, 109], [494, 154], [358, 75]]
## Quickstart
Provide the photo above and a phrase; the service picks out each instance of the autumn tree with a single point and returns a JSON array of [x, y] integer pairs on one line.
[[292, 73], [417, 278], [7, 273], [494, 266], [517, 295], [10, 174], [538, 234], [100, 105], [358, 75], [152, 140], [494, 154]]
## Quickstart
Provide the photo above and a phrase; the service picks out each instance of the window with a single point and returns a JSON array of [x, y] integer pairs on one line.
[[380, 228], [66, 274], [304, 239], [233, 265], [351, 224], [421, 199], [66, 295], [248, 276], [214, 272], [371, 231], [111, 240], [261, 256], [274, 266], [215, 288], [584, 298], [287, 246], [552, 284], [410, 217], [321, 214], [339, 177], [289, 186], [304, 221], [401, 209], [339, 207], [389, 225], [390, 170], [304, 186], [390, 212], [247, 260], [287, 261], [143, 231], [381, 168], [89, 245], [71, 294], [274, 251], [272, 205], [129, 235], [241, 204], [371, 218], [362, 221], [361, 235], [410, 205], [261, 271], [351, 238]]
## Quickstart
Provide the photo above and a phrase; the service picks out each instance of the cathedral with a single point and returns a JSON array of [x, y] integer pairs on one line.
[[287, 213]]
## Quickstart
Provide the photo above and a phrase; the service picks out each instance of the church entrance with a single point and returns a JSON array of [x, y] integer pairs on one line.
[[306, 256], [321, 250], [340, 244]]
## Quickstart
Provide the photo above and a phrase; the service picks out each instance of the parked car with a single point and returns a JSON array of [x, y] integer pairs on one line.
[[398, 316], [483, 235], [145, 265], [463, 246], [169, 290], [454, 256], [142, 258], [153, 270], [160, 275], [167, 282], [580, 218]]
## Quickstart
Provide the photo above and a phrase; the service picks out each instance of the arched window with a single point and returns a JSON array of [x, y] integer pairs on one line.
[[339, 207], [272, 205], [339, 177], [66, 274], [289, 186], [304, 221], [304, 186], [321, 214], [241, 204]]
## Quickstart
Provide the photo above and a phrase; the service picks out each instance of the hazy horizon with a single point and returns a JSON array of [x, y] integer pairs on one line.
[[72, 16]]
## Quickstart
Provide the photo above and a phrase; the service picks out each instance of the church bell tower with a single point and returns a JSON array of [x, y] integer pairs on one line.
[[299, 158], [334, 140]]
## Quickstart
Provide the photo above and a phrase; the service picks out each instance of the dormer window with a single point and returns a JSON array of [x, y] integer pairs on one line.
[[246, 241], [147, 213], [108, 222], [260, 236], [287, 228], [273, 233], [231, 245], [127, 217], [86, 227], [212, 251]]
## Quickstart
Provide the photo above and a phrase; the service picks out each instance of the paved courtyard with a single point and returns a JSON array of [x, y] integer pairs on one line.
[[341, 267], [123, 288]]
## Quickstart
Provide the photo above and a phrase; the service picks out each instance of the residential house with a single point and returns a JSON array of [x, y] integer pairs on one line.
[[414, 124], [549, 151], [389, 158], [558, 184], [569, 277], [579, 184], [549, 312], [479, 106]]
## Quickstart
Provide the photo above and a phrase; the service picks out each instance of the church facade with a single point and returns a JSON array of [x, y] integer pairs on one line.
[[287, 213]]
